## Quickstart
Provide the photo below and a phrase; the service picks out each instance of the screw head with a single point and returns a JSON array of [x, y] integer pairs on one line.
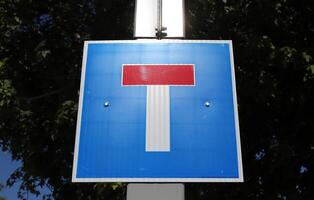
[[207, 104], [106, 104]]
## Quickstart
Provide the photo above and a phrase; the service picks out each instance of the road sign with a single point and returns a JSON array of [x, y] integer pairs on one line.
[[157, 111]]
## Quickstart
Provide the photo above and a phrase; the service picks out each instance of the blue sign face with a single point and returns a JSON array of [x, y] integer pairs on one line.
[[157, 111]]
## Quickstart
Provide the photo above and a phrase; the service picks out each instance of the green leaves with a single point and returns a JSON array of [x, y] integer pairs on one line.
[[307, 57], [66, 114], [311, 67], [288, 53], [6, 93]]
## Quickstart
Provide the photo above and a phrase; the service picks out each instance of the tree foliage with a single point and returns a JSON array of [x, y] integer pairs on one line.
[[40, 64], [274, 47]]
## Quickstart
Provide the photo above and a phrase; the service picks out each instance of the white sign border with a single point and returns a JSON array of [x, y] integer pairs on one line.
[[173, 180]]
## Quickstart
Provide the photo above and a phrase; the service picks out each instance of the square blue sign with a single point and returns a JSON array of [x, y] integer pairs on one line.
[[157, 111]]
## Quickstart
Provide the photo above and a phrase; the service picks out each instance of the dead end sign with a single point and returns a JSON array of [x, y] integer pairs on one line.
[[157, 111]]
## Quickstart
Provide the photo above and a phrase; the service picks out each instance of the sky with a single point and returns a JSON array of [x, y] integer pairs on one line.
[[7, 166]]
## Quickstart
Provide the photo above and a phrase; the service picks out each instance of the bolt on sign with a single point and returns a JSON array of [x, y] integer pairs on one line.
[[157, 111]]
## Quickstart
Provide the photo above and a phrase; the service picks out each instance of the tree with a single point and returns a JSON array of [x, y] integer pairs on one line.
[[274, 69], [41, 49], [40, 63]]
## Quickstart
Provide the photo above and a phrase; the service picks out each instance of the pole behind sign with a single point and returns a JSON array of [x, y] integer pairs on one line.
[[158, 19]]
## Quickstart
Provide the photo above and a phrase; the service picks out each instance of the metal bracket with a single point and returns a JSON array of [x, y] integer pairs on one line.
[[160, 34], [160, 29]]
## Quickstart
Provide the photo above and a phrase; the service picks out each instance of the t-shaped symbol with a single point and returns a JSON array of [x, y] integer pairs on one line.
[[158, 78]]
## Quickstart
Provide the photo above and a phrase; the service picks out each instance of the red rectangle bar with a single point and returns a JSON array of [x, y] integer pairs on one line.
[[163, 74]]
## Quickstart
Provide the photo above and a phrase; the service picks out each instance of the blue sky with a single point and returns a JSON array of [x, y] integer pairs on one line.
[[7, 166]]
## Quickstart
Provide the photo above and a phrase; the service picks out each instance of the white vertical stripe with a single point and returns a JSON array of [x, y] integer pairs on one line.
[[167, 117], [157, 112], [158, 118]]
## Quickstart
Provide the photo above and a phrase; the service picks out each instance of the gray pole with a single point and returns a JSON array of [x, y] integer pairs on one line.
[[159, 14], [152, 191], [160, 29], [159, 19]]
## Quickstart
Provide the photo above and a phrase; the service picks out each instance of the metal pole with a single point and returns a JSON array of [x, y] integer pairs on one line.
[[159, 15], [159, 19], [152, 191], [160, 29]]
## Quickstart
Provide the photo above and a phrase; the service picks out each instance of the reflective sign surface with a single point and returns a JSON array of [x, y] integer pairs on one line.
[[144, 132]]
